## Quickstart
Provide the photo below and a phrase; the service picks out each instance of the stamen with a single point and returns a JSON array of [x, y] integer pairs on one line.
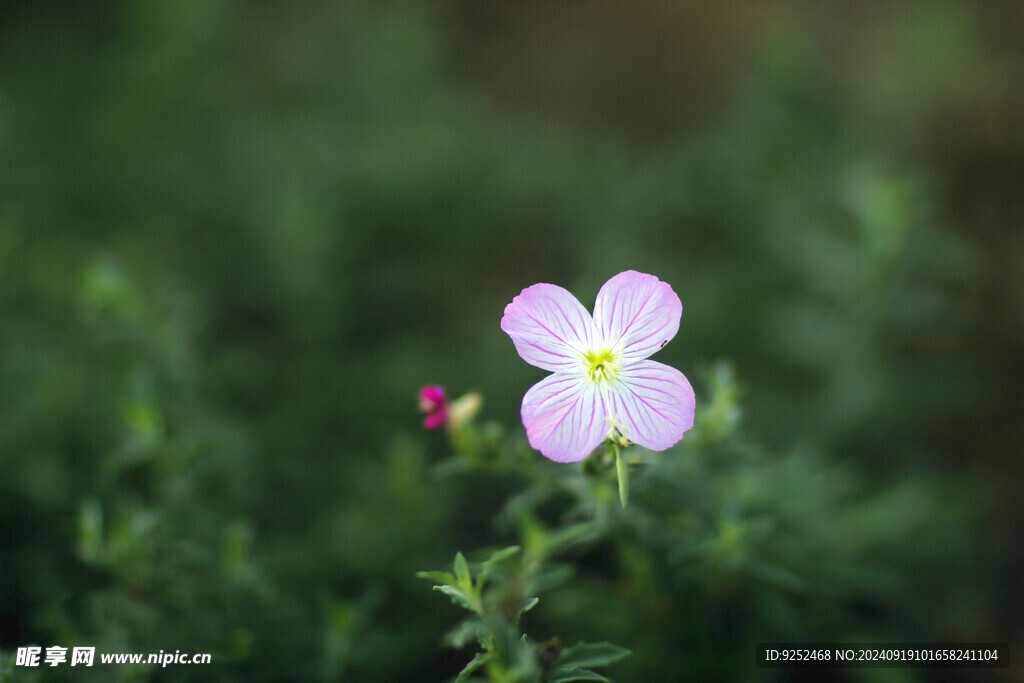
[[601, 366]]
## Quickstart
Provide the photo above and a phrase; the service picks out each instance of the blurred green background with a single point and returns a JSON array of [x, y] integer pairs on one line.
[[236, 238]]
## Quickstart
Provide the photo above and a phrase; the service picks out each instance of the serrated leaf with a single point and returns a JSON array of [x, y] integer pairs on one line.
[[479, 660], [437, 577], [591, 654], [456, 595], [562, 675]]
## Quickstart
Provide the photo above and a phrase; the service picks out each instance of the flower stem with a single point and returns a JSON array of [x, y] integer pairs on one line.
[[620, 468]]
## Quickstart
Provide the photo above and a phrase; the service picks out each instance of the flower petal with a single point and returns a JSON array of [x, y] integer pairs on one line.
[[564, 416], [639, 311], [549, 327], [653, 403]]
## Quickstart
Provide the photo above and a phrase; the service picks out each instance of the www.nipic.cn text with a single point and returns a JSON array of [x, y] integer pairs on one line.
[[86, 656]]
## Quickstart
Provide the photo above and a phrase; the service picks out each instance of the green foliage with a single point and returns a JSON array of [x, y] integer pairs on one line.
[[724, 544], [505, 655], [236, 239]]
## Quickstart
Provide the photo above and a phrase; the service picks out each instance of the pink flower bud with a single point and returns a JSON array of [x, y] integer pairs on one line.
[[434, 404]]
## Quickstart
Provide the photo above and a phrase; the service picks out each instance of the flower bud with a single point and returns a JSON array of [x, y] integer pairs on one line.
[[434, 404], [463, 409]]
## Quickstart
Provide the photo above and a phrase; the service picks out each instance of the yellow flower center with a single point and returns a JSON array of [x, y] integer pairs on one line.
[[601, 366]]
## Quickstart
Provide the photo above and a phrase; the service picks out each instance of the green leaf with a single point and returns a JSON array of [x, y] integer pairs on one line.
[[437, 577], [479, 660], [456, 595], [494, 567], [623, 472], [591, 654], [563, 674], [464, 633], [529, 605], [462, 570], [507, 639], [503, 554]]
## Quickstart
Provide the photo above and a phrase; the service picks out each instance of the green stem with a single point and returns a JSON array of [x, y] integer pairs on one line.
[[620, 468]]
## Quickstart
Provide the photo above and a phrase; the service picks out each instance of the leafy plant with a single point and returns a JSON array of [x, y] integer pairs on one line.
[[505, 655]]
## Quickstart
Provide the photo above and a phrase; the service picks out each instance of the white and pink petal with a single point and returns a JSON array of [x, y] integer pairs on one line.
[[549, 327], [564, 415], [638, 312], [653, 403]]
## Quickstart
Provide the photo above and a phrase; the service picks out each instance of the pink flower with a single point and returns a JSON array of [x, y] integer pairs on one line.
[[434, 404], [602, 386]]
